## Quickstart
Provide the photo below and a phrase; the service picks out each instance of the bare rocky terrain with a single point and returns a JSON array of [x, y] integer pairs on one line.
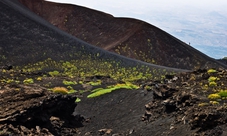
[[52, 83], [176, 105]]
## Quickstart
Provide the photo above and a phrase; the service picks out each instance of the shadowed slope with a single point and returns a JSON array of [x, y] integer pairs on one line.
[[129, 37]]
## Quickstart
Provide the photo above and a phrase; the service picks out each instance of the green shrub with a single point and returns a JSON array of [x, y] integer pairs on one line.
[[212, 83], [96, 83], [28, 81], [109, 89], [210, 79], [69, 82], [78, 100], [211, 71], [203, 104], [54, 73], [214, 96], [223, 93], [214, 102], [61, 90]]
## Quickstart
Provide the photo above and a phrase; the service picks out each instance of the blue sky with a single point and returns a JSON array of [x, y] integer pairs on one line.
[[200, 22]]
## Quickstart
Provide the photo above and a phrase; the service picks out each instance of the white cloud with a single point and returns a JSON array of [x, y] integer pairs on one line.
[[133, 7]]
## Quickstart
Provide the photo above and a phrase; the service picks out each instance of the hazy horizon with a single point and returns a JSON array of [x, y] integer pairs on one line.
[[201, 23]]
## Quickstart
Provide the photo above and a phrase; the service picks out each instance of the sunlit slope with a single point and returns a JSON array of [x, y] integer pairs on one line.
[[129, 37], [31, 44]]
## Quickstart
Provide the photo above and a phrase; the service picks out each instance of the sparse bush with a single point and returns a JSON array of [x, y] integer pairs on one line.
[[214, 96], [78, 100], [212, 83], [95, 83], [211, 71], [223, 93], [61, 90], [203, 104], [69, 82], [28, 81], [39, 78], [214, 102], [54, 73], [210, 79], [109, 89]]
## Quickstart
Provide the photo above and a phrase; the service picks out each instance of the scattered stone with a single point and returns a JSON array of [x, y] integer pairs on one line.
[[182, 99], [105, 131], [131, 131]]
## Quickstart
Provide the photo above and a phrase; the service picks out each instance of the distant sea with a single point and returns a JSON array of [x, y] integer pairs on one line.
[[212, 51]]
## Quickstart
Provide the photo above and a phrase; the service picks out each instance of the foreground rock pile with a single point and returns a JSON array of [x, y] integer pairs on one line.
[[33, 110], [186, 98], [187, 103]]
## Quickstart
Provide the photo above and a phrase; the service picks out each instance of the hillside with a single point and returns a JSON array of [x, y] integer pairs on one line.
[[53, 83], [125, 36], [32, 44]]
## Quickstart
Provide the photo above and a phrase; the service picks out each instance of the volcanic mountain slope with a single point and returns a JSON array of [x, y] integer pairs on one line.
[[129, 37], [37, 59], [33, 44], [224, 60]]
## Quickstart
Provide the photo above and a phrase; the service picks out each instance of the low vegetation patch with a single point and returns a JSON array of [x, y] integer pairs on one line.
[[61, 90], [28, 81], [90, 67], [211, 71], [109, 89]]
